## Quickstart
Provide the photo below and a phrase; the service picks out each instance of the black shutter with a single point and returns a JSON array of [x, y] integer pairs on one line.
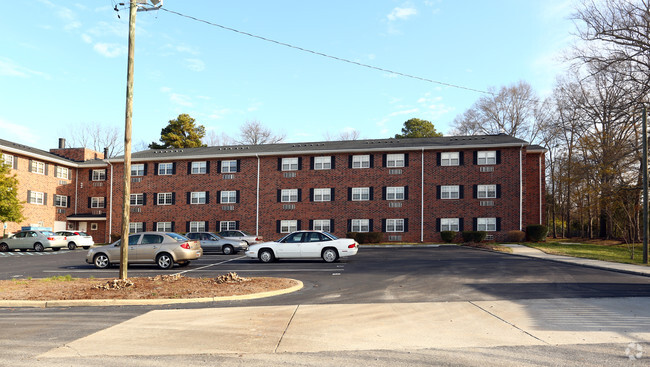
[[173, 168], [438, 159], [45, 198], [311, 224], [187, 226], [371, 226], [349, 225], [89, 202], [207, 197], [372, 192], [218, 166], [207, 167], [350, 161], [155, 169], [372, 160], [16, 164], [461, 191], [144, 199], [349, 194], [279, 196], [145, 169], [279, 169], [383, 225], [474, 191], [154, 226], [155, 198], [237, 196], [238, 165], [68, 202], [474, 224], [498, 157], [498, 190], [475, 157], [406, 159], [144, 226], [299, 226], [207, 225], [189, 168], [383, 160], [332, 161], [90, 171], [219, 197], [406, 192], [332, 194], [189, 195], [277, 226], [104, 202], [173, 198], [438, 225], [173, 225], [383, 193], [331, 225], [498, 224], [311, 195], [406, 224], [236, 224], [299, 195], [311, 165], [461, 224], [461, 158], [47, 166], [299, 163], [29, 194], [438, 189]]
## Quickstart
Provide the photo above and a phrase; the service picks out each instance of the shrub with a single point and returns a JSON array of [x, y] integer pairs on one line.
[[448, 236], [516, 236], [366, 237], [474, 236], [115, 237], [536, 232]]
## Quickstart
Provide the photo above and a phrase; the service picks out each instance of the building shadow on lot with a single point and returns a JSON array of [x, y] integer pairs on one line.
[[532, 290]]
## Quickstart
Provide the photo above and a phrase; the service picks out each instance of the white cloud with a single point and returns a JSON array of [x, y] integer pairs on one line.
[[195, 65], [401, 13], [10, 68], [109, 49], [86, 38], [181, 100], [404, 112], [18, 132], [165, 89]]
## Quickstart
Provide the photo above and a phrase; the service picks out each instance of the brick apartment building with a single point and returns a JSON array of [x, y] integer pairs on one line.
[[408, 189]]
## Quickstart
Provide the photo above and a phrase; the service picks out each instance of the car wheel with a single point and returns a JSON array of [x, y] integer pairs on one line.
[[266, 255], [4, 247], [227, 250], [330, 255], [56, 248], [165, 261], [38, 247], [72, 245], [101, 261]]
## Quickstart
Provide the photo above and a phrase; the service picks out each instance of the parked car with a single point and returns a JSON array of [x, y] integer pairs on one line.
[[304, 244], [213, 242], [241, 235], [161, 248], [37, 240], [77, 239]]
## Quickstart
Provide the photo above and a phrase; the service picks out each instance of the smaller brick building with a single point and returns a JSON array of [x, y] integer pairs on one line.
[[407, 189]]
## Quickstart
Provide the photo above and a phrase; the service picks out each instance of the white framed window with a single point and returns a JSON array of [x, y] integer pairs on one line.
[[395, 225], [164, 198], [135, 227], [450, 192], [360, 225], [322, 225], [61, 201], [227, 225], [449, 159], [321, 163], [486, 191], [395, 160], [289, 195], [99, 175], [487, 157], [395, 193], [137, 169], [197, 226], [199, 168], [164, 226], [8, 159], [165, 169], [361, 161], [228, 197], [38, 167], [322, 194], [288, 226], [449, 224], [360, 193], [36, 197], [289, 164], [137, 199], [97, 202], [228, 166], [62, 172], [486, 224], [197, 197]]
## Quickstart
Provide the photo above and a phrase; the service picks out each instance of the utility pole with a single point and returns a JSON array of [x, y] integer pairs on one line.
[[126, 199]]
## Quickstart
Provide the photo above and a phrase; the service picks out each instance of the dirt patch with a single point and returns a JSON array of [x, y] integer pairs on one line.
[[488, 246], [166, 287]]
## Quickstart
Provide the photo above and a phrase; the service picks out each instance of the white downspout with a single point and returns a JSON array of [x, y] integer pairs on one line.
[[257, 204], [521, 188], [76, 190], [110, 207], [422, 197]]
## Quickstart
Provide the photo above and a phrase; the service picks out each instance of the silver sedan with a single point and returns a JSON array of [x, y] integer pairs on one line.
[[213, 242], [36, 240]]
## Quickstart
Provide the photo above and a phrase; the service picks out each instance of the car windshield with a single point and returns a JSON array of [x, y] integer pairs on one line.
[[48, 233], [176, 236], [83, 234], [331, 235]]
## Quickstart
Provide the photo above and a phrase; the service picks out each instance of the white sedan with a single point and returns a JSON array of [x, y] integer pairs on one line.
[[304, 244]]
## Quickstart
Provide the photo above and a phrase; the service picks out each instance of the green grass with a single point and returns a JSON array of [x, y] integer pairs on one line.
[[59, 278], [615, 253]]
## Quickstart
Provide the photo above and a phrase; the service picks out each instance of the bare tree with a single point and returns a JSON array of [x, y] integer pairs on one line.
[[252, 132], [97, 137], [512, 110], [212, 139], [347, 134]]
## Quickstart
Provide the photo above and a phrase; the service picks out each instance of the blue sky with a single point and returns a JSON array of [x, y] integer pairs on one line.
[[63, 64]]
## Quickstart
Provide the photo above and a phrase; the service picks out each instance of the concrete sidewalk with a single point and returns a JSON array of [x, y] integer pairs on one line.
[[385, 326], [533, 252]]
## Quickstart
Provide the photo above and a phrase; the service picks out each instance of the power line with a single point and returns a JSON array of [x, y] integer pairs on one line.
[[328, 56]]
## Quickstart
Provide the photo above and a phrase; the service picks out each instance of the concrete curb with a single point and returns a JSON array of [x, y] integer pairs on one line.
[[143, 302]]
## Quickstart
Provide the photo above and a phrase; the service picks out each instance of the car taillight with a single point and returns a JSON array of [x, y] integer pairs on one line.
[[258, 239], [352, 245], [76, 233], [50, 238], [186, 246]]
